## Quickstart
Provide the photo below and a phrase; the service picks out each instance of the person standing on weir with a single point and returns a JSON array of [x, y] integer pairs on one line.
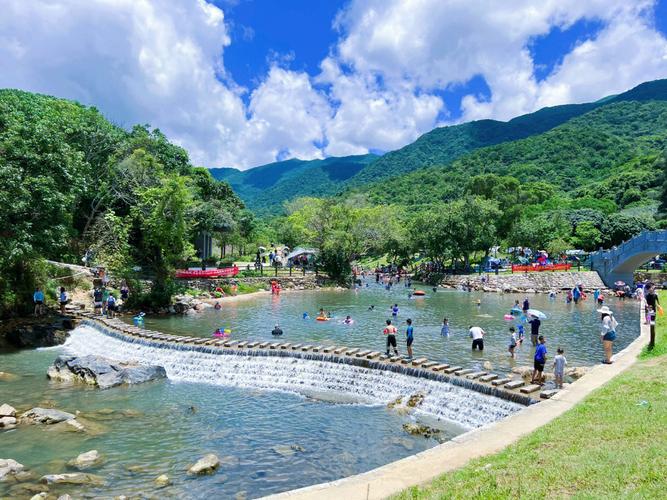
[[390, 332]]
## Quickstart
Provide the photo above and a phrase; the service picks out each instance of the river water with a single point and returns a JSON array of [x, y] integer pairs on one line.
[[250, 413]]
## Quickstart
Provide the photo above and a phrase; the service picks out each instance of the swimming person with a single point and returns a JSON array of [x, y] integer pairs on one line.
[[371, 308], [217, 305], [348, 320], [305, 316], [394, 310], [477, 335], [276, 331], [444, 331], [409, 337], [390, 332]]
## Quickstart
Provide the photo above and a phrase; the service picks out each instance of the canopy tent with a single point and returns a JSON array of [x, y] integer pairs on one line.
[[301, 251]]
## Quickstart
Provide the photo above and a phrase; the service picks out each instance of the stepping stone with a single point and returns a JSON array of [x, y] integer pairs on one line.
[[440, 367], [530, 388], [361, 354], [202, 341], [405, 361], [296, 346], [452, 369], [515, 384], [501, 381], [219, 343], [549, 393], [317, 348], [242, 344], [465, 371], [489, 377], [394, 359], [352, 351], [340, 350], [286, 345], [373, 354], [430, 364], [263, 345], [328, 348], [306, 347], [252, 344], [419, 361], [384, 357], [475, 375], [274, 345]]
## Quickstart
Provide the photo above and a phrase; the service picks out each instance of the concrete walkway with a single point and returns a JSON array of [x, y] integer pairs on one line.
[[423, 467]]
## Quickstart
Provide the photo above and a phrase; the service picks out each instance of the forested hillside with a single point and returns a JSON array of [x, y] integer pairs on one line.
[[71, 183], [266, 188]]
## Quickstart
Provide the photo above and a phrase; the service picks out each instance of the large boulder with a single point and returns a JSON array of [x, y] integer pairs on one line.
[[102, 372], [7, 411], [205, 465], [34, 332], [9, 468], [45, 416], [86, 460], [7, 423]]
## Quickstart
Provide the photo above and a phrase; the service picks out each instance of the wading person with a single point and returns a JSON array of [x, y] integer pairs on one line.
[[512, 345], [390, 332], [276, 331], [608, 326], [477, 335], [539, 360], [111, 306], [409, 337], [534, 329]]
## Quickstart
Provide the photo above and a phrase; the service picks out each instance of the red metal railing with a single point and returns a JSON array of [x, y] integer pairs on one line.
[[226, 272], [539, 268]]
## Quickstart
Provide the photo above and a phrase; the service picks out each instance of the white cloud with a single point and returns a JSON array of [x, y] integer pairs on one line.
[[162, 62]]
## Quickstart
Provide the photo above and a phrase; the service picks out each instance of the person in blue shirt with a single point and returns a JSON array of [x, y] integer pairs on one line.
[[394, 310], [409, 337], [38, 299], [540, 360]]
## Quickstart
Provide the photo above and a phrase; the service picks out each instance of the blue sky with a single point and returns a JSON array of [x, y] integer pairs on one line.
[[240, 83]]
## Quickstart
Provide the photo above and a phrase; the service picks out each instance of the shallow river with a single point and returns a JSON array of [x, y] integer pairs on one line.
[[162, 427]]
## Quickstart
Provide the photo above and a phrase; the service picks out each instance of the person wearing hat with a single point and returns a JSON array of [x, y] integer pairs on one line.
[[607, 332]]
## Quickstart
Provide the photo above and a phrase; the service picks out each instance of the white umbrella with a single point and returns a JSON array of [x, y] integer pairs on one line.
[[536, 313]]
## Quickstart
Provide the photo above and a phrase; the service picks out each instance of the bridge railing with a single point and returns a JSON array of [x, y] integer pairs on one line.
[[638, 242]]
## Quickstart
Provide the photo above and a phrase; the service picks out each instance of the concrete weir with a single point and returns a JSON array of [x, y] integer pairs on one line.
[[420, 368]]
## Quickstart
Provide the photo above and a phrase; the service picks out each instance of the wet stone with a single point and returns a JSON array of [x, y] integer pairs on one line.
[[395, 359], [296, 347], [430, 364], [475, 375], [530, 388], [340, 350], [452, 369], [352, 351], [419, 361], [465, 371], [489, 377], [361, 354], [440, 367], [501, 381], [372, 355], [515, 384], [306, 347], [549, 393]]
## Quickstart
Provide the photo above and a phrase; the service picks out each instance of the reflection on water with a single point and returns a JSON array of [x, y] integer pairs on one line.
[[573, 327]]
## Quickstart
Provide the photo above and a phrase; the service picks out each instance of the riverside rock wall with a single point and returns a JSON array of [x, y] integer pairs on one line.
[[526, 282], [297, 282]]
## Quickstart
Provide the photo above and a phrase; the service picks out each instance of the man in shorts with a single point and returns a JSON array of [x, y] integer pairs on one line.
[[390, 332], [477, 335], [539, 360]]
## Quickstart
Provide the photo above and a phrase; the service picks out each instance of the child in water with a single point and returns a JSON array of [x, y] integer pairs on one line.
[[513, 342], [394, 310], [348, 320], [444, 331], [521, 334], [305, 316]]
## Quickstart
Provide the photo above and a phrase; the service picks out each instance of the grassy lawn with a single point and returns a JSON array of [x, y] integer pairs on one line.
[[611, 445]]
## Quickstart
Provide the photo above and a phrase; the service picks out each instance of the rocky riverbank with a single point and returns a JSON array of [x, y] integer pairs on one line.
[[544, 282], [47, 331]]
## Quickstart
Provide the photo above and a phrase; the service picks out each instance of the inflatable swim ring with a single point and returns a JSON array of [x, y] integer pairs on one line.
[[508, 317], [418, 293], [322, 318], [516, 310]]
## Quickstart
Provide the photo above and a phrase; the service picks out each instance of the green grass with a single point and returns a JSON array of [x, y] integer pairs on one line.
[[611, 445]]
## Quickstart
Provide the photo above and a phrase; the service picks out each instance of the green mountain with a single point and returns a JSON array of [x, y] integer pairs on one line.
[[609, 153], [264, 189]]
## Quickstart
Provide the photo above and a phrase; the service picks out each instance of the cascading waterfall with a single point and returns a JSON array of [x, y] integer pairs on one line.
[[443, 401]]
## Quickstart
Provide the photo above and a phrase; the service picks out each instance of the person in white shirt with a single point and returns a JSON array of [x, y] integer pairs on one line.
[[477, 335]]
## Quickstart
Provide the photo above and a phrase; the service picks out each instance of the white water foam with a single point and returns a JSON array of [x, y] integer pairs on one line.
[[442, 401]]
